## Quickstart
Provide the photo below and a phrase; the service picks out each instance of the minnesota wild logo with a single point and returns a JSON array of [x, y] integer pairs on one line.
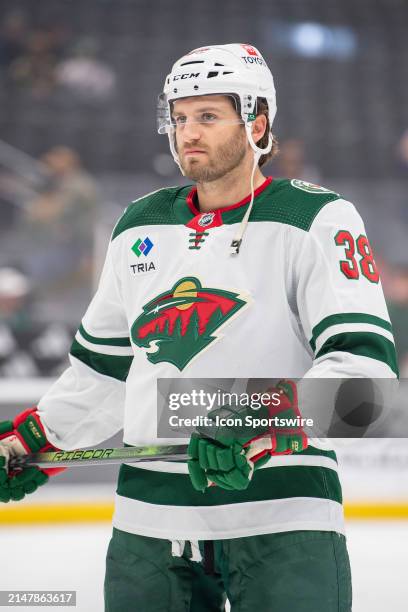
[[310, 187], [180, 323]]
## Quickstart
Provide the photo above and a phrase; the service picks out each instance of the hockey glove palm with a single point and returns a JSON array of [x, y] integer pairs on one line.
[[22, 436]]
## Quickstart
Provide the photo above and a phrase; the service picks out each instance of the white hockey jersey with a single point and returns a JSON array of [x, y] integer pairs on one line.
[[302, 298]]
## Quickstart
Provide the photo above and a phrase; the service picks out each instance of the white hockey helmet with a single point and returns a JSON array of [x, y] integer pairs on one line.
[[236, 69]]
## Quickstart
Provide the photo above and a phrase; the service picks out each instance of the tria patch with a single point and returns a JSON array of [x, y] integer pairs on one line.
[[309, 187], [142, 247], [180, 323], [142, 267]]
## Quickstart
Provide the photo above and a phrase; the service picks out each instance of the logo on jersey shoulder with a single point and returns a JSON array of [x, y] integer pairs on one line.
[[309, 187], [142, 247], [180, 323], [206, 219]]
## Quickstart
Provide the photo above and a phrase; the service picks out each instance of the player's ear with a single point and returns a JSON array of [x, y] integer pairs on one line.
[[258, 127]]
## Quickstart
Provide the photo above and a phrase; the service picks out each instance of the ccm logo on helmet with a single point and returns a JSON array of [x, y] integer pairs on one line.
[[186, 75]]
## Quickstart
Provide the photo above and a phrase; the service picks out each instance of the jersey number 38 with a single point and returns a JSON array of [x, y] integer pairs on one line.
[[366, 264]]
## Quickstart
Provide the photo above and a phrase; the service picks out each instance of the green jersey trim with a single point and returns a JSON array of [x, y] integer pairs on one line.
[[152, 209], [346, 317], [278, 202], [115, 366], [289, 205], [105, 341], [169, 489], [365, 344]]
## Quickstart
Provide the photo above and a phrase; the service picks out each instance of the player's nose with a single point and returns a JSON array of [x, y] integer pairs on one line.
[[191, 131]]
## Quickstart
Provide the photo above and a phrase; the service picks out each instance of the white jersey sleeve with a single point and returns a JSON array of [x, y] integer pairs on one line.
[[86, 404], [340, 299]]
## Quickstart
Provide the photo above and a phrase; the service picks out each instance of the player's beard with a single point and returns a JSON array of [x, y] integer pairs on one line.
[[222, 160]]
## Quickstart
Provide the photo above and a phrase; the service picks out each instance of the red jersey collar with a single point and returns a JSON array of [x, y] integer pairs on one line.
[[192, 196]]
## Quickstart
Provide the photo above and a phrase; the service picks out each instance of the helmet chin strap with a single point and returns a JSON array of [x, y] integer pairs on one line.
[[237, 240]]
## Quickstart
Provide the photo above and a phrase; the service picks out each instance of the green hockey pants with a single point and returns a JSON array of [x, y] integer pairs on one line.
[[296, 571]]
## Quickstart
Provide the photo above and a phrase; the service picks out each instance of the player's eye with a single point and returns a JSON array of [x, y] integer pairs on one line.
[[179, 120], [208, 117]]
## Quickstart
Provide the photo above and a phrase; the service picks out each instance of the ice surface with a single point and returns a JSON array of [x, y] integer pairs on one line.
[[73, 558]]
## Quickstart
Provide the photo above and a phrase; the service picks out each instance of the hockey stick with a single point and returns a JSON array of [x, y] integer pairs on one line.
[[100, 456]]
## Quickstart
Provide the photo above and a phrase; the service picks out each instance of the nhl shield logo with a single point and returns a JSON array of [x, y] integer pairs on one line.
[[206, 219]]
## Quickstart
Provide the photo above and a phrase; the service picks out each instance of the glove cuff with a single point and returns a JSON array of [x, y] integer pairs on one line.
[[280, 440], [31, 433]]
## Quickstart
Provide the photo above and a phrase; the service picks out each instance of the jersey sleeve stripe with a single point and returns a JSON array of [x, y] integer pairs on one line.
[[367, 344], [347, 317], [124, 341], [334, 330], [120, 351], [115, 366]]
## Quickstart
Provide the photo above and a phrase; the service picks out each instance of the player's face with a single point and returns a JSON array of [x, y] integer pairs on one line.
[[210, 137]]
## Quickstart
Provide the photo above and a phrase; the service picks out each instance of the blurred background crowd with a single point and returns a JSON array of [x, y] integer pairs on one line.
[[78, 141]]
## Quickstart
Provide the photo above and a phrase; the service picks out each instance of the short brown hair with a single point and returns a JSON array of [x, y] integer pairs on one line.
[[261, 109]]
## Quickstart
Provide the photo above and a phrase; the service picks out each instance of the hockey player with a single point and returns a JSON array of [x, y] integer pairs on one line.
[[285, 269]]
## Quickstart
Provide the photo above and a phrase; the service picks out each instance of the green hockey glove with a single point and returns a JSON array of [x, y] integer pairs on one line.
[[227, 455], [22, 436], [219, 463]]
